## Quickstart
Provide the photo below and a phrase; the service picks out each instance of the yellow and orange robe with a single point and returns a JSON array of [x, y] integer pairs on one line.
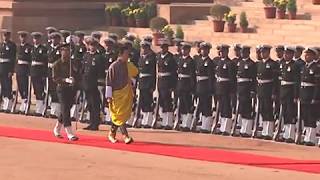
[[119, 88]]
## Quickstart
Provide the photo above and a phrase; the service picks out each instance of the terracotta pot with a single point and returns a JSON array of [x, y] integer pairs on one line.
[[156, 37], [218, 26], [292, 14], [163, 1], [115, 21], [124, 21], [131, 22], [281, 14], [316, 2], [141, 23], [232, 27], [270, 12], [243, 29]]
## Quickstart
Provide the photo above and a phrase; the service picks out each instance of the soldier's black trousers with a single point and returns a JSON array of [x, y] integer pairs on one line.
[[309, 114], [65, 97], [93, 99], [6, 85], [23, 82], [266, 108], [38, 83], [53, 91], [165, 100], [225, 106], [186, 104], [205, 104], [146, 100], [245, 105], [289, 110]]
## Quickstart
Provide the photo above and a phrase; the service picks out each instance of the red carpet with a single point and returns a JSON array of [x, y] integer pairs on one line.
[[185, 152]]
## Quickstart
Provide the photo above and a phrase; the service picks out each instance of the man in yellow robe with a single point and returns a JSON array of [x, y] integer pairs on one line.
[[119, 93]]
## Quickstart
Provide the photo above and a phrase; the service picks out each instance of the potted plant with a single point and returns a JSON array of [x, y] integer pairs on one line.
[[151, 9], [316, 2], [281, 8], [231, 19], [179, 32], [115, 14], [156, 25], [141, 17], [292, 9], [129, 14], [243, 22], [217, 12], [269, 9], [168, 33]]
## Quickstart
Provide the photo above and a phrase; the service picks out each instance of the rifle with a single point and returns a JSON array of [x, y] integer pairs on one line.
[[83, 106], [46, 98], [26, 112], [216, 118], [280, 122], [235, 121], [299, 128], [178, 116], [137, 110], [156, 113], [195, 117], [256, 119], [14, 104]]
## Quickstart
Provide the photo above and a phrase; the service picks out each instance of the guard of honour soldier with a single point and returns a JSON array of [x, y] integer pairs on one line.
[[174, 91]]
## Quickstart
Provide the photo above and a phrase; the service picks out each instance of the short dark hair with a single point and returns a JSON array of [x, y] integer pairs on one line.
[[123, 48]]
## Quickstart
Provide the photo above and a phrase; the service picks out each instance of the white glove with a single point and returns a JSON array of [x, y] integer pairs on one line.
[[69, 80]]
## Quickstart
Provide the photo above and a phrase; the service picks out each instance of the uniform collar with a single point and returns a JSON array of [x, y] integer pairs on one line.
[[204, 57], [164, 55], [310, 63], [265, 60], [288, 62], [37, 45], [245, 59], [185, 57]]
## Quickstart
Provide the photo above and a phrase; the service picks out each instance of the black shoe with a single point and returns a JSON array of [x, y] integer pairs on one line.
[[245, 135], [74, 138], [37, 114], [53, 116], [7, 111], [167, 128], [204, 131], [289, 140], [267, 138], [309, 144], [225, 134]]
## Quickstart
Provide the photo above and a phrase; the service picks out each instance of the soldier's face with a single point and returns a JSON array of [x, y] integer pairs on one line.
[[145, 49], [65, 54], [237, 52], [23, 39], [165, 48], [179, 48], [245, 53], [56, 40], [258, 55], [204, 51], [185, 51], [6, 37], [265, 54], [288, 56], [36, 41], [224, 53], [92, 48], [297, 54], [309, 56], [280, 53]]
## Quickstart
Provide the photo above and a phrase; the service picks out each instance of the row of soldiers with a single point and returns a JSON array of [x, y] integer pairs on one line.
[[203, 91]]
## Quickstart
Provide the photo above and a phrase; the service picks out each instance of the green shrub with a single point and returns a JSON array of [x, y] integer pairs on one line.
[[268, 2], [218, 11], [158, 23], [292, 5], [243, 20], [179, 32]]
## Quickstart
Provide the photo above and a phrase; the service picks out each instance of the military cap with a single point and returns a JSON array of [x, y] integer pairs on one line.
[[55, 35], [265, 46], [186, 44], [197, 43], [147, 38], [280, 47], [91, 41], [289, 48], [65, 33], [205, 45], [96, 34], [312, 50], [223, 46], [114, 36], [243, 47], [318, 49], [36, 35], [108, 39], [51, 29], [22, 33], [126, 41], [258, 47], [145, 43], [79, 33], [131, 36], [5, 32], [237, 46], [177, 41], [299, 48], [164, 41]]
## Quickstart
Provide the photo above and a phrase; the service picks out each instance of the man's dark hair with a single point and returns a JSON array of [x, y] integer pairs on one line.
[[123, 48]]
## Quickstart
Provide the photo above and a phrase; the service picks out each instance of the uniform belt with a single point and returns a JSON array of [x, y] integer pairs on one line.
[[284, 83], [264, 81], [143, 75], [22, 62], [183, 76], [166, 74], [36, 63], [50, 65], [240, 80], [307, 84], [221, 79], [2, 60], [202, 78]]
